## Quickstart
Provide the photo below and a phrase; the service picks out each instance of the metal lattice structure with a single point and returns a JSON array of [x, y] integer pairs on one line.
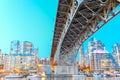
[[75, 23], [65, 9]]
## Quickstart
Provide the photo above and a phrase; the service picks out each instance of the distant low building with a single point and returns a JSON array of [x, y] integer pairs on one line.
[[5, 61], [44, 61]]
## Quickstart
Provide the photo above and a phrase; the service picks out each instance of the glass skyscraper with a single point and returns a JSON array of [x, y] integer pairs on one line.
[[116, 52], [23, 54]]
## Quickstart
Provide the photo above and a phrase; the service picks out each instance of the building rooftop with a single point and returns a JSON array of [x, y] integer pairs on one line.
[[100, 51]]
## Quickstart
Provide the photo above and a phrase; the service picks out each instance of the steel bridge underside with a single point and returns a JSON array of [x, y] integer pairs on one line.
[[75, 23]]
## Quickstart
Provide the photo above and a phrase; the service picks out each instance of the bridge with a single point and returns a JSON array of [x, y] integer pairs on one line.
[[77, 20]]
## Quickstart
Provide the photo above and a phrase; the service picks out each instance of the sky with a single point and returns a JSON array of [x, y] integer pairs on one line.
[[28, 20]]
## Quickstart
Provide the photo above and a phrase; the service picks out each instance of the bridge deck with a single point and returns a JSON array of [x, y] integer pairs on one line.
[[85, 22]]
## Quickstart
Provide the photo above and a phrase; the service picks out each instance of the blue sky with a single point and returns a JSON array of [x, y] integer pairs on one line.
[[27, 20]]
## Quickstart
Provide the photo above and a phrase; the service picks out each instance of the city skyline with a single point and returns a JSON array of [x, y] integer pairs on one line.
[[85, 45]]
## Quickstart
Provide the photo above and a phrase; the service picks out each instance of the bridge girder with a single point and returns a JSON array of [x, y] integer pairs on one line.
[[85, 21], [65, 8]]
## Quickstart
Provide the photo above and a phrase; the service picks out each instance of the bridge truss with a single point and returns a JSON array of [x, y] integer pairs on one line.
[[75, 23]]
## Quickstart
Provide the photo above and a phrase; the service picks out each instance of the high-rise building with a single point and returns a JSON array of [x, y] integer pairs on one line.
[[93, 45], [97, 58], [81, 56], [86, 59], [23, 54], [102, 60], [1, 61], [116, 52], [5, 61], [1, 58], [21, 48]]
